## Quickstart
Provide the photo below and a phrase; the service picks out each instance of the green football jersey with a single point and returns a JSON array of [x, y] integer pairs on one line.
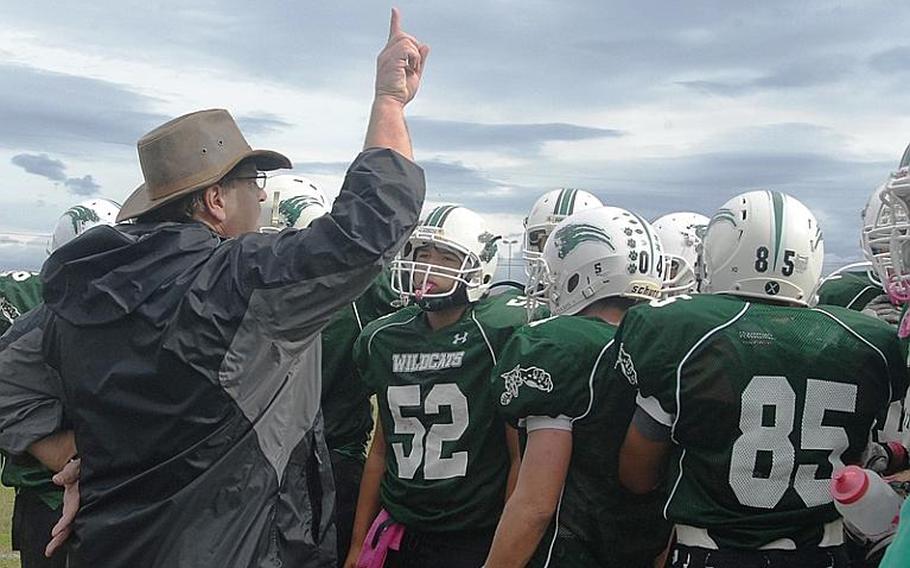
[[849, 289], [345, 401], [559, 367], [446, 456], [514, 298], [20, 291], [763, 402]]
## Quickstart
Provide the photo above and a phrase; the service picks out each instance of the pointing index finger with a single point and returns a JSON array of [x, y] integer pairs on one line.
[[395, 25]]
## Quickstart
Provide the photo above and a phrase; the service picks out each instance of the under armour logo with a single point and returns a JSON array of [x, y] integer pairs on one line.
[[772, 288], [460, 338]]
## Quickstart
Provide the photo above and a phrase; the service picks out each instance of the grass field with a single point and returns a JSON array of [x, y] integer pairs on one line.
[[8, 559]]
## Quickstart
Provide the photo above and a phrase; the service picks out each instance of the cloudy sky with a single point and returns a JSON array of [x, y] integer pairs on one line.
[[653, 106]]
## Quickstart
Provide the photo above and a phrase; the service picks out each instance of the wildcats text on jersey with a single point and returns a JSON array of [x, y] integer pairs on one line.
[[416, 362]]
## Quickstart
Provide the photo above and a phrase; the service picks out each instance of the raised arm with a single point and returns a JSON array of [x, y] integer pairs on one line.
[[399, 69]]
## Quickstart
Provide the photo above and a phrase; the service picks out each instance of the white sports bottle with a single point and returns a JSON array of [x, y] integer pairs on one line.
[[866, 501]]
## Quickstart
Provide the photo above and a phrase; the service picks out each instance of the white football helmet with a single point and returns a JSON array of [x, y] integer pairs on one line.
[[880, 221], [457, 229], [681, 234], [80, 218], [295, 201], [764, 244], [896, 195], [595, 254], [549, 209]]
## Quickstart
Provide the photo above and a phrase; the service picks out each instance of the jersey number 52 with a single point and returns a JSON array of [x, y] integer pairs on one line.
[[426, 446]]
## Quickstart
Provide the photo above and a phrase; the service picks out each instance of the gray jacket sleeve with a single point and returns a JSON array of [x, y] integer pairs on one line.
[[31, 406], [294, 280]]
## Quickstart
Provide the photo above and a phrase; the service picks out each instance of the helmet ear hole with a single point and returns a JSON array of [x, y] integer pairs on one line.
[[408, 249], [487, 278], [572, 283]]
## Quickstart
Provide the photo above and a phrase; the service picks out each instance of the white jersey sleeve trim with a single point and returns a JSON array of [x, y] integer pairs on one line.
[[682, 363], [652, 408], [382, 327], [485, 339], [855, 298], [561, 422]]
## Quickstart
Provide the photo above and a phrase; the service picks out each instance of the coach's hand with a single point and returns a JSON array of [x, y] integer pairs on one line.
[[399, 66], [68, 477]]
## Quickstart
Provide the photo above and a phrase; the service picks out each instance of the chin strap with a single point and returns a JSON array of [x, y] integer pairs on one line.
[[457, 298]]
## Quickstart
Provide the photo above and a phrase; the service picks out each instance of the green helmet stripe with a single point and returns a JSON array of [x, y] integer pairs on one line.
[[438, 215], [777, 201], [571, 208], [445, 215], [557, 207], [723, 215]]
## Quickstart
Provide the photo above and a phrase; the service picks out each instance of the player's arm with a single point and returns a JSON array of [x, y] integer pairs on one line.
[[644, 452], [533, 503], [399, 68], [514, 459], [368, 499], [54, 451]]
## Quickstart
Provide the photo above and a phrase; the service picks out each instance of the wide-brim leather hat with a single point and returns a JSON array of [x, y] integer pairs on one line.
[[189, 153]]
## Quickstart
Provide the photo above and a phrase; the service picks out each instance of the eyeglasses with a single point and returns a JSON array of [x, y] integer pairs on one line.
[[259, 179]]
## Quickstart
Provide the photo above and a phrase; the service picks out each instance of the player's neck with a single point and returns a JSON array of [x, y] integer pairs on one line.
[[444, 318], [611, 314]]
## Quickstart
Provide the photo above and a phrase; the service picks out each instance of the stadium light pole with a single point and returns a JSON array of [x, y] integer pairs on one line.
[[509, 243]]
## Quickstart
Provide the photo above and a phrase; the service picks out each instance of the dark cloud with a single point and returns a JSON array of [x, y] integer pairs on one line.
[[41, 165], [507, 138], [261, 123], [66, 113], [802, 74], [82, 186], [54, 170], [894, 60]]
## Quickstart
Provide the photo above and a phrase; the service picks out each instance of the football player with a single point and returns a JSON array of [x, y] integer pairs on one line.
[[749, 399], [681, 233], [441, 457], [568, 508], [858, 285], [38, 500], [549, 209]]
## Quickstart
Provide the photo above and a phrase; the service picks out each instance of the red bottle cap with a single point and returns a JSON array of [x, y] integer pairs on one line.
[[849, 484]]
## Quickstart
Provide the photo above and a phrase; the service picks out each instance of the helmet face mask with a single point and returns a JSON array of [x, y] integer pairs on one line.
[[681, 235], [447, 229], [596, 254], [880, 223], [549, 209], [764, 244]]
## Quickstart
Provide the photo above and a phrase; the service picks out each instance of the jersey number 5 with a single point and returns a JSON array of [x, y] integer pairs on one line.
[[766, 420], [426, 447]]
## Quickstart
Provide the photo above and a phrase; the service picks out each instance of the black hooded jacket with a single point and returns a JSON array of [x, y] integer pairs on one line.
[[190, 372]]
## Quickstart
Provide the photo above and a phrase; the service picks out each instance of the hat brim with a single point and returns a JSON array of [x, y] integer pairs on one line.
[[140, 202]]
